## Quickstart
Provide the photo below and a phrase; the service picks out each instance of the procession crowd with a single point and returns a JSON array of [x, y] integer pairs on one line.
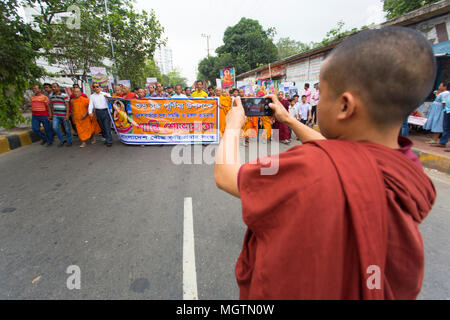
[[61, 114]]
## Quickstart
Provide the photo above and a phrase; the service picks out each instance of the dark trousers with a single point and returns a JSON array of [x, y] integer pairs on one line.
[[404, 132], [36, 126], [314, 114], [446, 133], [104, 121]]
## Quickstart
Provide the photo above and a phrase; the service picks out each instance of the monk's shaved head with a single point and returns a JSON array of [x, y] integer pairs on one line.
[[392, 70]]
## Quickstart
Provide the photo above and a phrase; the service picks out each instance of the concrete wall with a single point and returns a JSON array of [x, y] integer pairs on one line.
[[436, 30]]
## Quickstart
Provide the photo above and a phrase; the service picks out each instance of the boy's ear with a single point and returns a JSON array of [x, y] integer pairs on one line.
[[347, 107]]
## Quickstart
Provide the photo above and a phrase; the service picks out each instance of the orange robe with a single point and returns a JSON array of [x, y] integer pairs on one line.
[[267, 125], [87, 126], [225, 102], [251, 127]]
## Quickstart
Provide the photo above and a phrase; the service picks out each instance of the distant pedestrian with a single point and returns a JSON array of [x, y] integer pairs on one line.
[[151, 91], [99, 104], [118, 92], [127, 94], [314, 103], [41, 113], [170, 90], [435, 121], [141, 93], [211, 92], [159, 93], [307, 92], [179, 92], [304, 111], [73, 89], [187, 92], [48, 91], [199, 93], [61, 111]]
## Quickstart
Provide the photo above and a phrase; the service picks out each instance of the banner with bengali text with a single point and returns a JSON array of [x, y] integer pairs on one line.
[[165, 121]]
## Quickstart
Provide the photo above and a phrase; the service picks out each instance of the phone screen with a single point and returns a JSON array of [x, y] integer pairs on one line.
[[257, 107]]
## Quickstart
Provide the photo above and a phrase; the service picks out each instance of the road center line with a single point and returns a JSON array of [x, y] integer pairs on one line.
[[189, 271]]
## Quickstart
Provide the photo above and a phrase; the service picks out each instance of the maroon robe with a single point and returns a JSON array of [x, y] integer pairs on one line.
[[283, 128], [333, 211]]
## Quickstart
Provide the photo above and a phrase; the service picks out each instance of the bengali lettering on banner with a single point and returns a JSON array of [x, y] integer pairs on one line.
[[166, 121]]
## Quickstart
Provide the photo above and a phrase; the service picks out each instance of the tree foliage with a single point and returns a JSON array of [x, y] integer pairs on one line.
[[174, 78], [19, 45], [396, 8], [75, 50], [288, 47], [135, 37], [246, 46]]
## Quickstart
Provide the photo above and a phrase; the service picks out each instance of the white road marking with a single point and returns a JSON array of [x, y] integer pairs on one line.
[[189, 271]]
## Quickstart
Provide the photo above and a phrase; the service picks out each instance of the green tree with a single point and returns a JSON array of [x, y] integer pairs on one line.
[[249, 45], [151, 70], [246, 46], [19, 45], [337, 33], [174, 78], [135, 37], [288, 47], [396, 8]]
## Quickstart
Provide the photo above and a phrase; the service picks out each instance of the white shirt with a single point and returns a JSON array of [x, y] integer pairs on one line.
[[303, 110], [293, 110], [98, 101], [179, 96]]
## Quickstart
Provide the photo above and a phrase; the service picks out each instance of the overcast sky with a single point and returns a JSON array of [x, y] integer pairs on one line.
[[306, 21]]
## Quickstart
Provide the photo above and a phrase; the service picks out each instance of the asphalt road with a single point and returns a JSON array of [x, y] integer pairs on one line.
[[117, 213]]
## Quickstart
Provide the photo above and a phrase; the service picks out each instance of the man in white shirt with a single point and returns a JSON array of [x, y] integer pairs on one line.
[[304, 110], [178, 92], [98, 103]]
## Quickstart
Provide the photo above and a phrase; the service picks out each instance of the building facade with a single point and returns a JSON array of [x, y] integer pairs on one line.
[[163, 59], [432, 20]]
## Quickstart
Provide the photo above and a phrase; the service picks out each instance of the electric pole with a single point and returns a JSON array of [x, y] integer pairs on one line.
[[207, 36]]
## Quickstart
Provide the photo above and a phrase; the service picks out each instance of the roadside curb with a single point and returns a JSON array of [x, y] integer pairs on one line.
[[433, 161], [427, 159], [18, 140]]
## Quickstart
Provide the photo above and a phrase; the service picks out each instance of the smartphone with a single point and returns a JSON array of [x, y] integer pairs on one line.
[[257, 107]]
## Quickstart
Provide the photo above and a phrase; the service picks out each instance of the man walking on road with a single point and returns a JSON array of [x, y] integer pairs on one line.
[[61, 111], [41, 113], [98, 103]]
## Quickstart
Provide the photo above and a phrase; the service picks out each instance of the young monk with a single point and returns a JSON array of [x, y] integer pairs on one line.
[[87, 127], [338, 217]]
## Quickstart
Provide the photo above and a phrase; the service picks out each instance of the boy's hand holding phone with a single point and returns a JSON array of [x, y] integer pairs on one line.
[[281, 114]]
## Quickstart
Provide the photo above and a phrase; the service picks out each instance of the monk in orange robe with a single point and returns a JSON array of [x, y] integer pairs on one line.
[[338, 217], [267, 127], [87, 127], [225, 106]]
